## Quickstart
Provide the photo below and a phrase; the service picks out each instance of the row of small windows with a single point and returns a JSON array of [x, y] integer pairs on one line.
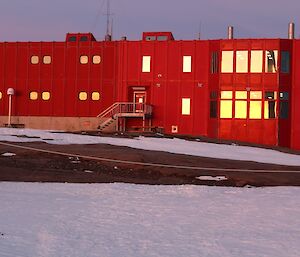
[[95, 96], [256, 61], [84, 59], [252, 105], [186, 64]]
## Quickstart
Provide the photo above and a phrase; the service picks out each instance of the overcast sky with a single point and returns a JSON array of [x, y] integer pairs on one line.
[[48, 20]]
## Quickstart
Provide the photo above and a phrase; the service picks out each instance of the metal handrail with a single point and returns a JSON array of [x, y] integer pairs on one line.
[[126, 107]]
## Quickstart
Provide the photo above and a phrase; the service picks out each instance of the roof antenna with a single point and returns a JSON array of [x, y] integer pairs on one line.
[[199, 33], [108, 14]]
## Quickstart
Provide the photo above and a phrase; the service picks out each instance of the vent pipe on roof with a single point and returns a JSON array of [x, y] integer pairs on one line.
[[230, 32], [291, 34], [123, 38]]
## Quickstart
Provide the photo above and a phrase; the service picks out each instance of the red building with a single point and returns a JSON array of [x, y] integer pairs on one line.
[[235, 89]]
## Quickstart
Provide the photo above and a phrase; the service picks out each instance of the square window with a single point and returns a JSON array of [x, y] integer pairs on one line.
[[34, 59], [84, 59], [33, 95], [82, 96], [46, 96], [96, 59], [47, 59], [95, 96]]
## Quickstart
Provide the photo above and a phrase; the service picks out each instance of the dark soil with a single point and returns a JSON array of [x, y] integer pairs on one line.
[[32, 166]]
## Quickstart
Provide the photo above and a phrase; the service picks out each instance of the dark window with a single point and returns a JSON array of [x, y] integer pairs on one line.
[[162, 38], [150, 38], [214, 64], [72, 39], [269, 96], [284, 110], [213, 109], [285, 62], [213, 95], [284, 96], [83, 38]]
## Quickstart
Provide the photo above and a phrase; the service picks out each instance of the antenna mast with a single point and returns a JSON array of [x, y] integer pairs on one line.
[[108, 14]]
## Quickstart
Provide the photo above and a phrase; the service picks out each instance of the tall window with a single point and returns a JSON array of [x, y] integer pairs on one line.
[[240, 105], [214, 63], [255, 109], [241, 61], [226, 104], [146, 66], [186, 106], [285, 62], [270, 105], [256, 61], [213, 104], [271, 61], [187, 64], [284, 105], [227, 62]]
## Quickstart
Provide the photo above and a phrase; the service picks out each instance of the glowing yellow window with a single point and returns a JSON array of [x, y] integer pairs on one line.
[[240, 109], [186, 106], [0, 95], [256, 95], [95, 96], [84, 59], [33, 95], [34, 59], [46, 96], [240, 94], [255, 110], [96, 59], [241, 61], [226, 94], [82, 96], [226, 109], [47, 59], [146, 65], [256, 61], [187, 64], [227, 62]]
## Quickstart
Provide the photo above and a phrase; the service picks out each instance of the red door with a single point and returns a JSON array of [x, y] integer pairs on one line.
[[139, 100]]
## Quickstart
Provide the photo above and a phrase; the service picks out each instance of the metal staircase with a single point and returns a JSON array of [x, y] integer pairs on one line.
[[119, 111]]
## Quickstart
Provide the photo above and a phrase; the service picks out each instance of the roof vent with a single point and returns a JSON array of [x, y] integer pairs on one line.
[[230, 32], [291, 34]]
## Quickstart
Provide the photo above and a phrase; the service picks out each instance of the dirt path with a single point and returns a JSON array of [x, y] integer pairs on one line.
[[34, 166]]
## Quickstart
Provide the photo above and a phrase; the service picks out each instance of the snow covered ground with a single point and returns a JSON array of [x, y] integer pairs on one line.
[[179, 146], [119, 220]]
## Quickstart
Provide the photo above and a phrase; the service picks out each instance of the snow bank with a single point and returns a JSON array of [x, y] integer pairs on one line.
[[119, 220], [178, 146]]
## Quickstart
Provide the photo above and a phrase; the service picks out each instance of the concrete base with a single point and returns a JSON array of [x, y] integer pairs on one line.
[[54, 123]]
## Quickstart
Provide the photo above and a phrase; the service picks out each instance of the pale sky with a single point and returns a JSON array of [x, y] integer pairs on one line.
[[50, 20]]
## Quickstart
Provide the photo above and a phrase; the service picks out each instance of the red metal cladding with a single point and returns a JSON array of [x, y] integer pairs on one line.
[[182, 80]]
